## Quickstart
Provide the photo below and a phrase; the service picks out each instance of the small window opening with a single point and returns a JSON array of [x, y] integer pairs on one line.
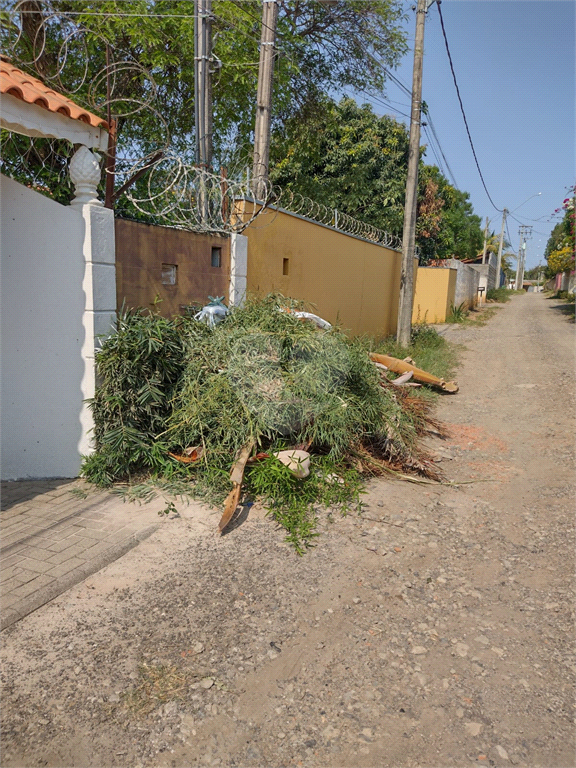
[[285, 266], [216, 259], [169, 274]]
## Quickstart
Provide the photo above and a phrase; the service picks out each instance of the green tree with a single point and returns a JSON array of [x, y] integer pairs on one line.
[[321, 46], [346, 157], [447, 226]]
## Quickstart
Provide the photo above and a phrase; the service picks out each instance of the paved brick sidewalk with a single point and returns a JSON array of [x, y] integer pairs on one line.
[[55, 533]]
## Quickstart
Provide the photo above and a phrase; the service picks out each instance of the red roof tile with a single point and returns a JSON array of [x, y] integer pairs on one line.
[[33, 91]]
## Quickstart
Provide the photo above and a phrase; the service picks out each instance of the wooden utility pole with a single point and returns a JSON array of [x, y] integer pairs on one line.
[[264, 99], [500, 244], [409, 233], [203, 81]]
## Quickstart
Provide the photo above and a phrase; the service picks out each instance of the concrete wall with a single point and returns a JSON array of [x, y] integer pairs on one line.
[[434, 294], [141, 252], [494, 279], [57, 295], [488, 275], [565, 281], [467, 281], [483, 280], [346, 279]]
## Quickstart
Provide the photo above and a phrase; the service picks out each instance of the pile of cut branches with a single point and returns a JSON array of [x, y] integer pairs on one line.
[[179, 400]]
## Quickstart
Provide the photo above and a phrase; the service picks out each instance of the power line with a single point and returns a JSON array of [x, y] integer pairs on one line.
[[440, 148], [462, 110], [509, 236], [529, 219], [525, 225], [407, 91], [120, 14], [383, 103], [432, 147]]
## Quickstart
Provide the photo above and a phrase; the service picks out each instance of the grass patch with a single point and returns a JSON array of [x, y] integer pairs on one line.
[[479, 317], [156, 685], [501, 295], [566, 295], [457, 314]]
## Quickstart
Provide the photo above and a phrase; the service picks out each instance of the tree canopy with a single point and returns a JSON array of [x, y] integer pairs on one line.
[[320, 46], [339, 154], [345, 156]]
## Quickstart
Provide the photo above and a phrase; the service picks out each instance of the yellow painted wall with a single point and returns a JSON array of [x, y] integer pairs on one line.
[[434, 295], [346, 279]]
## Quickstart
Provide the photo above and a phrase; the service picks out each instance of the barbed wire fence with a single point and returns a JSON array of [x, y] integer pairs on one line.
[[301, 205]]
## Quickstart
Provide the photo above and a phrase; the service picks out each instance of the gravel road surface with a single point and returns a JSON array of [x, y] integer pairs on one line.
[[435, 629]]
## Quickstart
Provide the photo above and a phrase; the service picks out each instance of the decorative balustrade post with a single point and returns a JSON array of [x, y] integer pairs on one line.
[[85, 174]]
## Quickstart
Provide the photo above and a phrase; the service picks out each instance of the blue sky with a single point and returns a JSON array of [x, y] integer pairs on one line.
[[514, 63]]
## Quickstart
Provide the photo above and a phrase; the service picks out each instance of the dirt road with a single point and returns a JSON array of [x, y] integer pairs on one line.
[[436, 629]]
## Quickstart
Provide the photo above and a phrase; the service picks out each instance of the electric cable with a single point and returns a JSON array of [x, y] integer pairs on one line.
[[407, 91], [429, 116], [437, 158], [524, 225], [378, 100], [463, 112], [509, 236]]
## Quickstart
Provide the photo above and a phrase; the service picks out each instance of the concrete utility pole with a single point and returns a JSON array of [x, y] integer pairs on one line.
[[203, 81], [500, 244], [409, 233], [525, 233], [485, 241], [264, 99]]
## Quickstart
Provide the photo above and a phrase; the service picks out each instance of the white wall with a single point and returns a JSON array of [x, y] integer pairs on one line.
[[48, 321]]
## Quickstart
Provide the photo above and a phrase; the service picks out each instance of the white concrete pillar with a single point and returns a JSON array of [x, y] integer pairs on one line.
[[99, 283], [238, 269], [99, 287]]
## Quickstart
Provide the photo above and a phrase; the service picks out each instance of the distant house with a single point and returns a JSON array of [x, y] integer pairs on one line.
[[488, 272]]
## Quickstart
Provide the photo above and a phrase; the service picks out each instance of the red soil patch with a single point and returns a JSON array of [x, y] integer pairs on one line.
[[475, 439]]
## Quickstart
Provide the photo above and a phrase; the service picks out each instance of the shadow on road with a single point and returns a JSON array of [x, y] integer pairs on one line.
[[566, 308]]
